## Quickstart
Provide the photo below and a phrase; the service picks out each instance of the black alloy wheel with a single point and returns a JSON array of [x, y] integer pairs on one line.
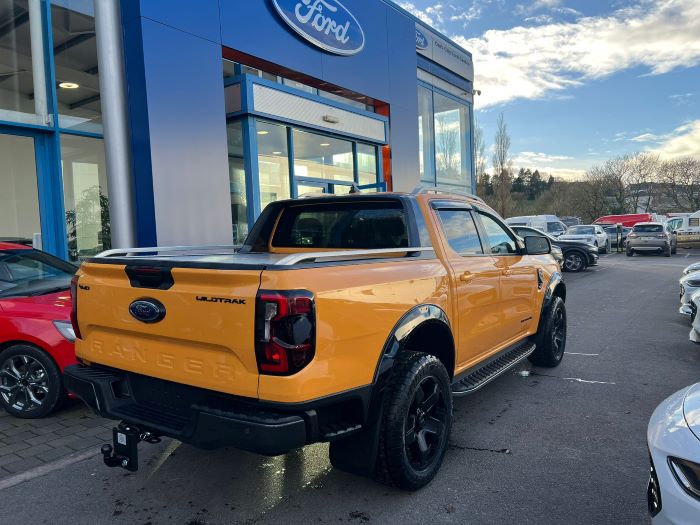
[[425, 423]]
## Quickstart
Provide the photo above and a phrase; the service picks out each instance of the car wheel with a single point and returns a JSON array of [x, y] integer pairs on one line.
[[574, 262], [674, 249], [30, 382], [551, 341], [416, 422], [630, 252], [667, 252]]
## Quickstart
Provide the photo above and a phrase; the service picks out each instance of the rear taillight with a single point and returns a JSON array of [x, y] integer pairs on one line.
[[285, 331], [74, 307]]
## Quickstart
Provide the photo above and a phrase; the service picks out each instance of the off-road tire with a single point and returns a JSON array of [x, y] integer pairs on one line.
[[551, 338], [50, 375], [411, 372]]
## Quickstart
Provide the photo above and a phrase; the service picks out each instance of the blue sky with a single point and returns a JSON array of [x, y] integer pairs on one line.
[[580, 81]]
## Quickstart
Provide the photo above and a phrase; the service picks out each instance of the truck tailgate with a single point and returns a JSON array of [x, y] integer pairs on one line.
[[205, 339]]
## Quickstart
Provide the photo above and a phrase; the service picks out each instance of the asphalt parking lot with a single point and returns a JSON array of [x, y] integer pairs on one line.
[[564, 445]]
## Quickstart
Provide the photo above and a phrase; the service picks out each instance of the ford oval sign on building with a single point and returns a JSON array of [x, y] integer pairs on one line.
[[325, 23], [421, 40]]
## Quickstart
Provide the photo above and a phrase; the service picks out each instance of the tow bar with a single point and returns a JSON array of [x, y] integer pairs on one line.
[[124, 453]]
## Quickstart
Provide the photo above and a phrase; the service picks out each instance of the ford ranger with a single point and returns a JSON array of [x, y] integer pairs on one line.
[[347, 319]]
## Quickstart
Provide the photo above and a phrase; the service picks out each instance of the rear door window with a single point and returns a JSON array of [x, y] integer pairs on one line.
[[648, 228], [460, 231], [361, 225]]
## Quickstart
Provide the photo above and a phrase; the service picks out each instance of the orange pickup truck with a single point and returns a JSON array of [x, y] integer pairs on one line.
[[347, 319]]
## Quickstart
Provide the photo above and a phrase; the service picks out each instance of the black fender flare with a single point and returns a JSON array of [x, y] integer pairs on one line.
[[556, 284], [417, 317]]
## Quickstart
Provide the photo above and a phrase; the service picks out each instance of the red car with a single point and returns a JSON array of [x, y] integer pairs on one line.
[[628, 220], [36, 337]]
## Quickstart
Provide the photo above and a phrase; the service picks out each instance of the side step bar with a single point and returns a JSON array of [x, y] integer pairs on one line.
[[479, 377]]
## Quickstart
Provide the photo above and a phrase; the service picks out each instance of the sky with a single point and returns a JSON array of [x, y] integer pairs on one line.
[[580, 81]]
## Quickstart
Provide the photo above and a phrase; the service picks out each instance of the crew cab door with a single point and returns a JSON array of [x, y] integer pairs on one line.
[[476, 316], [519, 278]]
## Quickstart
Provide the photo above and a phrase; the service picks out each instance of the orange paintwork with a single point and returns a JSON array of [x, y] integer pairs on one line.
[[211, 345]]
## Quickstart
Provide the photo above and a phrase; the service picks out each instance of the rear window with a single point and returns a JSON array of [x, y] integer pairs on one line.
[[648, 228], [356, 225]]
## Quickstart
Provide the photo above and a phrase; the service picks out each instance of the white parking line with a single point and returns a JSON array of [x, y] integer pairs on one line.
[[578, 353], [42, 470], [579, 380]]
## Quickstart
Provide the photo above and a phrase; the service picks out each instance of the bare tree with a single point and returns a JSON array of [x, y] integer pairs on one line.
[[502, 169], [681, 183], [482, 181]]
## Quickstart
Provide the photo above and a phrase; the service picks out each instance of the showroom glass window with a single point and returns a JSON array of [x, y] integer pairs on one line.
[[366, 164], [21, 60], [85, 194], [75, 58], [444, 139], [322, 157], [19, 195], [273, 162], [237, 183]]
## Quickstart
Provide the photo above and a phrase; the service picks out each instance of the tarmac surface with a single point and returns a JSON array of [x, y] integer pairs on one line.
[[564, 445]]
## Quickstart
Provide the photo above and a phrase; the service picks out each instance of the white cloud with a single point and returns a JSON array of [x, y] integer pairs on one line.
[[431, 15], [645, 137], [681, 142], [531, 62], [529, 158]]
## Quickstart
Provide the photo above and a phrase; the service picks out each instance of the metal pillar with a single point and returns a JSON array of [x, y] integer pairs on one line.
[[115, 120], [36, 37]]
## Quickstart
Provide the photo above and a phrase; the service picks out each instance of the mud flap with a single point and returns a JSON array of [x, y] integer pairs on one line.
[[357, 454]]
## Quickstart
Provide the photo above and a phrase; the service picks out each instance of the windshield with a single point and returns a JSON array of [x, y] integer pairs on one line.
[[531, 232], [648, 228], [580, 230], [25, 273]]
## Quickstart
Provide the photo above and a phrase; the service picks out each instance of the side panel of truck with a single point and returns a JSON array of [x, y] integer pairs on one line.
[[357, 306]]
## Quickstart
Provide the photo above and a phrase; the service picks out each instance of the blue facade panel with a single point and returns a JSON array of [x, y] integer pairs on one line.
[[200, 18]]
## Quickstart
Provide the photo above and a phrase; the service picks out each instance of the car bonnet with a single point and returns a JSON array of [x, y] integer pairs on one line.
[[691, 409]]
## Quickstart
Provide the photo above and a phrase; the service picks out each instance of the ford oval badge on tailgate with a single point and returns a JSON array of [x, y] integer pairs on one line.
[[147, 310]]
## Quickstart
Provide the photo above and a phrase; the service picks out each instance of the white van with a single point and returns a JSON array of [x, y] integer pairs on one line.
[[687, 228], [550, 224]]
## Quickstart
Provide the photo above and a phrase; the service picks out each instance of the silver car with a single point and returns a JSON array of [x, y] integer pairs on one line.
[[690, 286], [650, 237]]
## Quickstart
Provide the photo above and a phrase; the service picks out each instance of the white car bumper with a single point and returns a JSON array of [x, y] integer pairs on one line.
[[668, 435]]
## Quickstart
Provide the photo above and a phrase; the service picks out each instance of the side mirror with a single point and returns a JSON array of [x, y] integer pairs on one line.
[[535, 245]]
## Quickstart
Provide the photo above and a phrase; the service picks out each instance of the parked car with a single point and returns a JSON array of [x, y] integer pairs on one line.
[[611, 232], [577, 255], [36, 336], [692, 268], [689, 285], [547, 223], [650, 237], [673, 439], [334, 322], [590, 233]]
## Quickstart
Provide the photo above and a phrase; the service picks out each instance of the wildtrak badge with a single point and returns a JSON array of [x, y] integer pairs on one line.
[[327, 24], [223, 300]]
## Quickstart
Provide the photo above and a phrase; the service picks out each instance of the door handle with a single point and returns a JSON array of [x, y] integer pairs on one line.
[[466, 277]]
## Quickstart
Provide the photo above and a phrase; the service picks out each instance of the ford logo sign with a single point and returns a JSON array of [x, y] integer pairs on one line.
[[325, 23], [147, 310], [421, 40]]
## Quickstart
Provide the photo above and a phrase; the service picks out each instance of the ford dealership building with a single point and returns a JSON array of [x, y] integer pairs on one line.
[[147, 122]]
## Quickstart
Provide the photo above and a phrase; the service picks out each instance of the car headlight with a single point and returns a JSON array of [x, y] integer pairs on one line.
[[687, 474], [65, 328]]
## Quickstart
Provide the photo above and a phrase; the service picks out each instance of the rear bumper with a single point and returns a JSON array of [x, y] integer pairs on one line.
[[209, 419]]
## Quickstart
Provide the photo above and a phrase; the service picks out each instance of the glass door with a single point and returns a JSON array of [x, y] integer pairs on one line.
[[20, 219]]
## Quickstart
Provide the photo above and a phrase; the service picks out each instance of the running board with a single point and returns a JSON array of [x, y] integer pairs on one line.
[[494, 368]]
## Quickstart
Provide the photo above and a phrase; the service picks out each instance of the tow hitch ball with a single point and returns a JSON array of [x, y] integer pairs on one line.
[[124, 453]]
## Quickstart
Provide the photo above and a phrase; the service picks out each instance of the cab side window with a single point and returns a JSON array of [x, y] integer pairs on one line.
[[500, 240], [460, 231]]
